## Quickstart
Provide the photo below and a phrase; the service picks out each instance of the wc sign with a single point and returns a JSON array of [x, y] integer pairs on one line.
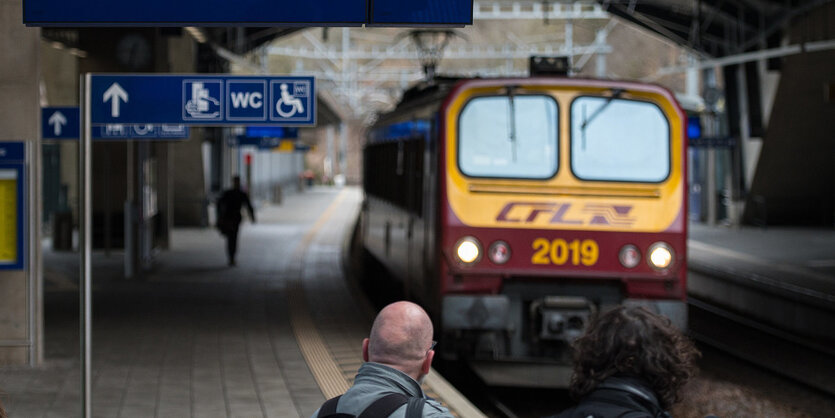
[[247, 100], [283, 100]]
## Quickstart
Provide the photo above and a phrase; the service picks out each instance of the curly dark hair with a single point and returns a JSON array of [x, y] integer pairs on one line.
[[634, 341]]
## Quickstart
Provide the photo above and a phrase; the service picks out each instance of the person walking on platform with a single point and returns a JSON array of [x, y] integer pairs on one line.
[[229, 216], [398, 355], [630, 362]]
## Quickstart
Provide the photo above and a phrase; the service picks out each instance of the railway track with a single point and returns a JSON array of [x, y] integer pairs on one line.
[[805, 361]]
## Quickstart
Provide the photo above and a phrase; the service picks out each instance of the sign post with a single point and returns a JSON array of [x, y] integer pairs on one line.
[[85, 289]]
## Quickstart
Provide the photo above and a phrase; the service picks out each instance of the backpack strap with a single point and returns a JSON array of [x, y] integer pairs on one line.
[[329, 407], [383, 407], [415, 408]]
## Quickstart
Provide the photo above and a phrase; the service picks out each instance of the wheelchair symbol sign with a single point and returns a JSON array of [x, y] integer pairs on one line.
[[291, 101]]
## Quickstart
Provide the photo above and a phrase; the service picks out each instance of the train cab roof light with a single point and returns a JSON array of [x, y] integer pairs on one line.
[[660, 256], [468, 250], [539, 66]]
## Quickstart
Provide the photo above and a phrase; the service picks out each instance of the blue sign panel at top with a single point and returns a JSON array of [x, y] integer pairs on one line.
[[421, 12], [193, 12], [202, 100], [249, 12]]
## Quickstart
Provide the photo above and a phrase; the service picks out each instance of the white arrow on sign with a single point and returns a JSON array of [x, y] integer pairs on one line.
[[57, 120], [115, 92]]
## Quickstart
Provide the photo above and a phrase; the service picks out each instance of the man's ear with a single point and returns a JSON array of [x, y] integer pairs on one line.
[[365, 349], [427, 362]]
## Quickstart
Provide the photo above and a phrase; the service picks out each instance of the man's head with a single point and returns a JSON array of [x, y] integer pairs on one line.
[[236, 182], [634, 341], [401, 338]]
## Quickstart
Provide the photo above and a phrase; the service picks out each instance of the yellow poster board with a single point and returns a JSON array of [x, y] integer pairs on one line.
[[8, 216], [285, 146]]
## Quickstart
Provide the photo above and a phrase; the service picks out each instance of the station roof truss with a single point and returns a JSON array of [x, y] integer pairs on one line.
[[368, 72], [714, 28]]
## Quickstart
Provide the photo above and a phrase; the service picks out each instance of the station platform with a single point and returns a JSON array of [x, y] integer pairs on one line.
[[273, 337], [784, 277]]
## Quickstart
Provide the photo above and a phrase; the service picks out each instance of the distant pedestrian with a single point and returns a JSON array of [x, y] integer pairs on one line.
[[229, 216], [398, 355], [630, 362]]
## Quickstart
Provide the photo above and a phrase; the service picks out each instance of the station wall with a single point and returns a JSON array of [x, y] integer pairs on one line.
[[21, 322], [794, 182]]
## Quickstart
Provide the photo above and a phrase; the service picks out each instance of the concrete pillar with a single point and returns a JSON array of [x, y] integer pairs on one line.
[[21, 318]]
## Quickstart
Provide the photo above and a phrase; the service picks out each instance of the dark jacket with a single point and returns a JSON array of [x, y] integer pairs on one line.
[[230, 203], [618, 397], [374, 381]]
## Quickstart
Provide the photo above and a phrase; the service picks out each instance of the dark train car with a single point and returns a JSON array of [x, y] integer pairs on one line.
[[514, 210]]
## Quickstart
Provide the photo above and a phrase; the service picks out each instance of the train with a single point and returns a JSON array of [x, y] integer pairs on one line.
[[516, 209]]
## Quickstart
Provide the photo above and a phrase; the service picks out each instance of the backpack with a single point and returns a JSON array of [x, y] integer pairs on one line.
[[381, 408]]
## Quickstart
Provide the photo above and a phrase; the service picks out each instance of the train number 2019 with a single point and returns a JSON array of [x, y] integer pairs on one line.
[[560, 252]]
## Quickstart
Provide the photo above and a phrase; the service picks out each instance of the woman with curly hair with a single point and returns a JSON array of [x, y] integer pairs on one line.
[[631, 363]]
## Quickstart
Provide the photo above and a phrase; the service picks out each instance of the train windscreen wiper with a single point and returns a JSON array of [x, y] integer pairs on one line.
[[512, 126], [586, 121]]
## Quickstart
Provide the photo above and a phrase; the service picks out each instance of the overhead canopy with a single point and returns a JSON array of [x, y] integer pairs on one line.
[[714, 28]]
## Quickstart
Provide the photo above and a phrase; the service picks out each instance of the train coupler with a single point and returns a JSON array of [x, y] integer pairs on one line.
[[561, 318]]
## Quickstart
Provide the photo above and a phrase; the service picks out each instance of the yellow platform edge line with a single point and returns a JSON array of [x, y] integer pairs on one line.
[[317, 355]]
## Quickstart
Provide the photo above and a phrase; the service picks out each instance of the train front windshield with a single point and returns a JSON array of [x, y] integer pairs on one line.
[[619, 140], [509, 137]]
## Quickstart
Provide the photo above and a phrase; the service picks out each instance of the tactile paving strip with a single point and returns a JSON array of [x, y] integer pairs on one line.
[[334, 360]]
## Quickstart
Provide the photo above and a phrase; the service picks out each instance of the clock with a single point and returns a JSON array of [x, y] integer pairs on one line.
[[134, 52]]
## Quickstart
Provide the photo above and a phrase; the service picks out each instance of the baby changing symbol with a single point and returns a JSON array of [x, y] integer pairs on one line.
[[202, 100]]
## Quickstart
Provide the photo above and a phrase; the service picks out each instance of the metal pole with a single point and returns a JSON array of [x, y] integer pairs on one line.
[[128, 221], [85, 249]]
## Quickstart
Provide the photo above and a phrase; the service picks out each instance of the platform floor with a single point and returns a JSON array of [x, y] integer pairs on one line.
[[271, 337], [783, 276], [277, 334], [800, 256]]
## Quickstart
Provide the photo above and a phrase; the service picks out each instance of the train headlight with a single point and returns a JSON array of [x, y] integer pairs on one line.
[[629, 256], [660, 255], [499, 252], [468, 250]]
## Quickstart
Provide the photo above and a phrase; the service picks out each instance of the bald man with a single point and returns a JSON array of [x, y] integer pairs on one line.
[[398, 355]]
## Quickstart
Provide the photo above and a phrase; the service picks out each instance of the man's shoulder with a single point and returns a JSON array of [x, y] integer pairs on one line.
[[434, 408]]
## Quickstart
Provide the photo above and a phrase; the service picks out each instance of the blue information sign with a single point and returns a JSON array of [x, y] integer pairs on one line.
[[271, 132], [12, 205], [212, 100], [420, 12], [247, 12], [60, 123], [64, 123], [193, 12]]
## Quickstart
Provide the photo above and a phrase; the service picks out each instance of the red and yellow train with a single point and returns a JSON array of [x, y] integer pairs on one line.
[[516, 209]]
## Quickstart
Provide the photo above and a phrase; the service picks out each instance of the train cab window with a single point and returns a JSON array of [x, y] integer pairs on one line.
[[615, 139], [509, 137]]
